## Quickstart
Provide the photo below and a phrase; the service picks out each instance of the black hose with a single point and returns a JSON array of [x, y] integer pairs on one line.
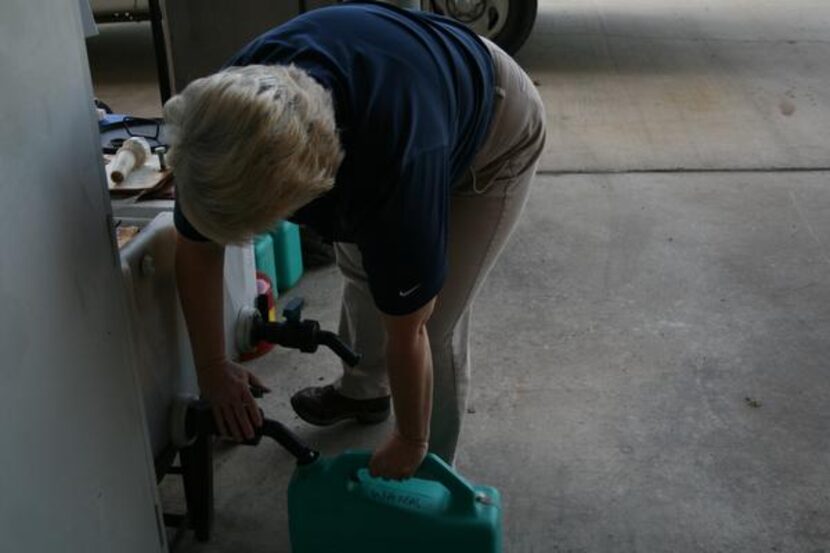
[[332, 341], [290, 441]]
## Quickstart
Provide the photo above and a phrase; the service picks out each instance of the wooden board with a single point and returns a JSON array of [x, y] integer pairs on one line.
[[146, 178]]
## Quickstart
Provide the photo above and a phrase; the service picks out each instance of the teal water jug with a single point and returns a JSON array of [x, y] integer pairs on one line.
[[264, 260], [288, 256], [334, 505]]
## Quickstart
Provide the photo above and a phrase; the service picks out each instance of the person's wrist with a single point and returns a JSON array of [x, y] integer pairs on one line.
[[418, 443], [211, 367]]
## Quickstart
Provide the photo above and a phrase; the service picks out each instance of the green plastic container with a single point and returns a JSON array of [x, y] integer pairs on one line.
[[334, 505], [264, 260], [288, 256]]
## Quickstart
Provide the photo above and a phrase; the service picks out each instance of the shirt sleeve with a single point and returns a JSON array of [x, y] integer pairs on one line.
[[404, 247], [184, 227]]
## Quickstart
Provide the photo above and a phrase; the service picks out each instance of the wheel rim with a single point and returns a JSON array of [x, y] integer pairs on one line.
[[485, 17]]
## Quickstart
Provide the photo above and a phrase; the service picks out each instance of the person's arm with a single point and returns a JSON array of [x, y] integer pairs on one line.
[[409, 363], [200, 280]]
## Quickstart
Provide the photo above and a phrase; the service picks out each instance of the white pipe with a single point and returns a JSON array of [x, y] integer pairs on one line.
[[130, 156]]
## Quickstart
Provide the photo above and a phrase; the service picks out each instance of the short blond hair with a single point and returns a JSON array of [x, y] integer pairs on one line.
[[250, 145]]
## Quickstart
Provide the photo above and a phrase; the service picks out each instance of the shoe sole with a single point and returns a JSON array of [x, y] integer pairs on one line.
[[362, 418]]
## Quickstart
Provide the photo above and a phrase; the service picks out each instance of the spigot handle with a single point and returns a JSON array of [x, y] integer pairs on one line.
[[293, 310], [257, 391]]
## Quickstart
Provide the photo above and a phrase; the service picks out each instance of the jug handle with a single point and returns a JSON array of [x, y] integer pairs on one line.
[[463, 496], [434, 468]]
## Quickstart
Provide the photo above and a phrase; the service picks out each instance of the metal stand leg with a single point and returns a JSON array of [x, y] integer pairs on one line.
[[197, 473], [160, 48]]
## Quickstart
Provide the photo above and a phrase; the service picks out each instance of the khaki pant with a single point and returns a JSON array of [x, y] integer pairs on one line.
[[484, 210]]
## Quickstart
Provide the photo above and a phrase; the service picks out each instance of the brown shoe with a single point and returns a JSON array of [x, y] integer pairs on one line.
[[324, 406]]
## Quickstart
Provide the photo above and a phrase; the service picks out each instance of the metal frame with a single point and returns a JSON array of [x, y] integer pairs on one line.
[[196, 470], [160, 47]]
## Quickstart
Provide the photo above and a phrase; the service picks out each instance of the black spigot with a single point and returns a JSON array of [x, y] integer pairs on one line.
[[199, 421], [294, 332]]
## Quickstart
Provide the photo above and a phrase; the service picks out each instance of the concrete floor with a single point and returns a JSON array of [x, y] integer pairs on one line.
[[650, 354], [657, 84]]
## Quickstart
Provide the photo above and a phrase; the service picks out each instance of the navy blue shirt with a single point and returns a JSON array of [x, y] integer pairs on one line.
[[413, 94]]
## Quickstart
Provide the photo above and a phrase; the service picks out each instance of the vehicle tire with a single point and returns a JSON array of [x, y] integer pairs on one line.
[[508, 23]]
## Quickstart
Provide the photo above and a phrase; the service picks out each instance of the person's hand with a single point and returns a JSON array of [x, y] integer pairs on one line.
[[398, 458], [226, 385]]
